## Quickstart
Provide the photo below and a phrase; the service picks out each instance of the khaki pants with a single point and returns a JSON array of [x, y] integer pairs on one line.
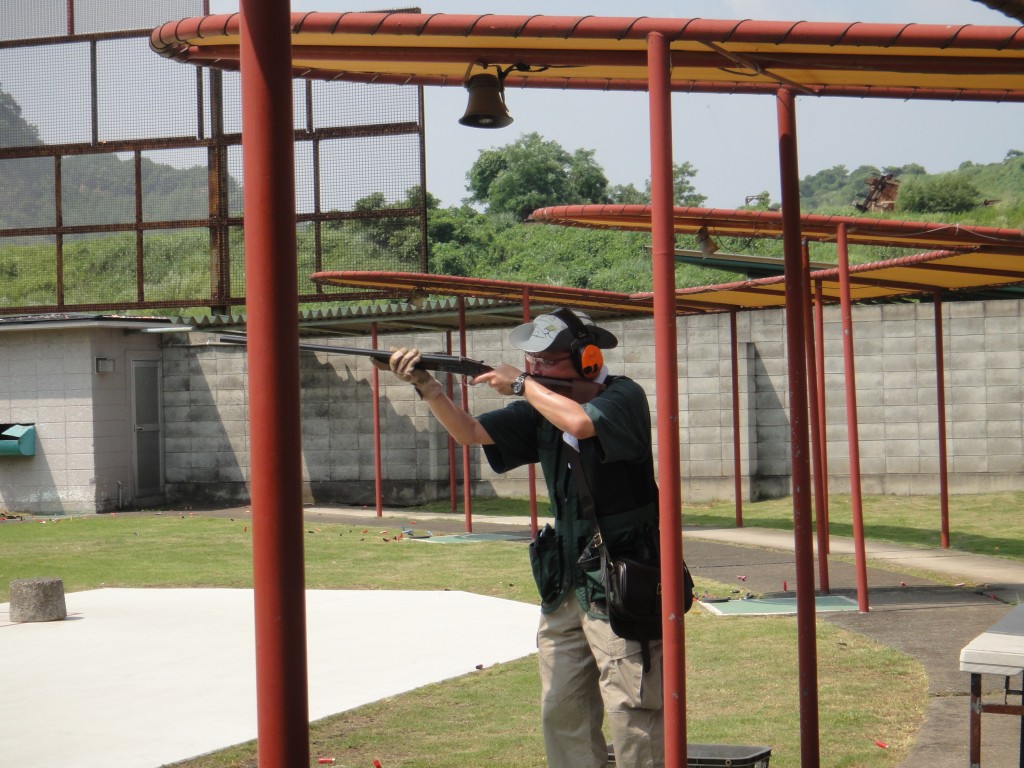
[[586, 671]]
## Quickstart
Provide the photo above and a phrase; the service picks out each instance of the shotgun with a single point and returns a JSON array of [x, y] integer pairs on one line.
[[580, 390]]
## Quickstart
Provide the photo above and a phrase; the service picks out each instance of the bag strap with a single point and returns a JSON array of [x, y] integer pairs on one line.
[[583, 495]]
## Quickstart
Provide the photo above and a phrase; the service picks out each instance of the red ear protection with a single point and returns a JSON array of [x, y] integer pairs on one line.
[[589, 361], [587, 357]]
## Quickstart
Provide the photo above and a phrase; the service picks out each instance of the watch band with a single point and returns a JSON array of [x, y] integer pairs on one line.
[[519, 384]]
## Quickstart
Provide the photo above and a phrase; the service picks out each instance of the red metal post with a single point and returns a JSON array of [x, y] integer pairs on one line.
[[275, 442], [467, 474], [819, 346], [852, 433], [796, 293], [974, 722], [532, 469], [449, 390], [667, 388], [940, 396], [736, 462], [814, 400], [378, 471]]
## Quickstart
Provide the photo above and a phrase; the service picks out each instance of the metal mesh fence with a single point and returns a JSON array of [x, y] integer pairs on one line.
[[121, 172]]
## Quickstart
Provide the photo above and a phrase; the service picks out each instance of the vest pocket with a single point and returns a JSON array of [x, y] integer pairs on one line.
[[546, 563]]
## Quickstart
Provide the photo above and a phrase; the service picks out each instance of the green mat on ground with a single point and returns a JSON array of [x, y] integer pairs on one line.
[[465, 538], [776, 605]]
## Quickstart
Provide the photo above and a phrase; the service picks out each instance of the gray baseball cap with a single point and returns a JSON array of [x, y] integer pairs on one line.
[[550, 332]]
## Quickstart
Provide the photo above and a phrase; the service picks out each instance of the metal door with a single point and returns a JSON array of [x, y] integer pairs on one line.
[[147, 445]]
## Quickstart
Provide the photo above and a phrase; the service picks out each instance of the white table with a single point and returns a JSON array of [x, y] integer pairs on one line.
[[999, 650]]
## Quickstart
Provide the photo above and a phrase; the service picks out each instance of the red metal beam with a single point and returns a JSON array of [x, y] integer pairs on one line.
[[743, 32], [378, 490], [815, 406], [852, 433], [737, 464], [453, 480], [940, 398], [467, 472], [531, 471], [768, 224], [796, 295], [667, 394], [819, 340], [712, 58], [677, 86], [275, 439]]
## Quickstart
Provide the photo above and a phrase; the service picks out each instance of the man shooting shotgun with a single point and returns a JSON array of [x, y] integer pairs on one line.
[[586, 669]]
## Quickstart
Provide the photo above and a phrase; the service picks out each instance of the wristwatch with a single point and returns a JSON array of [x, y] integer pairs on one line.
[[519, 384]]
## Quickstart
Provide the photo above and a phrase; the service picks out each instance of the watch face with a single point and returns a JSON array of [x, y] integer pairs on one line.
[[519, 384]]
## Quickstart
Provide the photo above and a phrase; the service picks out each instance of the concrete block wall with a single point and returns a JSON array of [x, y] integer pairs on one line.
[[83, 437], [983, 344]]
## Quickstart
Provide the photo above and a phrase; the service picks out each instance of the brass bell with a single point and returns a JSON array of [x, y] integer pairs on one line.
[[486, 108]]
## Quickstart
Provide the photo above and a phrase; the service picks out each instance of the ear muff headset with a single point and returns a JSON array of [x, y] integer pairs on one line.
[[587, 358]]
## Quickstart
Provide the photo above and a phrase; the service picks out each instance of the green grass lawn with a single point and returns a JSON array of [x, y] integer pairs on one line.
[[741, 673], [986, 524]]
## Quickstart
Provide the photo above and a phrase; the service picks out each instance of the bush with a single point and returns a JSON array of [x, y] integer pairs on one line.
[[942, 194]]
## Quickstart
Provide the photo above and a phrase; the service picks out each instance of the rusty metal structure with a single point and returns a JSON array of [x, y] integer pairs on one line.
[[881, 195], [121, 173]]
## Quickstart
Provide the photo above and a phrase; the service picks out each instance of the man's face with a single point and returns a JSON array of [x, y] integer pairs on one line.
[[554, 365]]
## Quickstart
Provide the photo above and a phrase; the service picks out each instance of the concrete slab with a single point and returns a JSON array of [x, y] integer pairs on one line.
[[141, 677]]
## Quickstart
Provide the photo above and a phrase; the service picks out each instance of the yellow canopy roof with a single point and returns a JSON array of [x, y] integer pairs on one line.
[[946, 62], [958, 257]]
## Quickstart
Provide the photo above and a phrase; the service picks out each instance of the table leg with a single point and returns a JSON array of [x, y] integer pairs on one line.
[[975, 722]]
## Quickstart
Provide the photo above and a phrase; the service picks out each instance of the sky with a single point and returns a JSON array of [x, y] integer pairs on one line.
[[731, 141]]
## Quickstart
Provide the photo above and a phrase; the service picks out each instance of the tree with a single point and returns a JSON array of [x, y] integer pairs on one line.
[[533, 173], [683, 191], [627, 194], [901, 172], [387, 240]]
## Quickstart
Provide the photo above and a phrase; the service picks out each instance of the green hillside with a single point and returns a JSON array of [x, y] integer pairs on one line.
[[967, 190], [462, 240], [95, 188]]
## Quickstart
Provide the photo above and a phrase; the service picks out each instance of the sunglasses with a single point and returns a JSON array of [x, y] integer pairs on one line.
[[545, 362]]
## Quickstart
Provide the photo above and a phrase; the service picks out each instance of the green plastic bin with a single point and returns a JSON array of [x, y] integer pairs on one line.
[[17, 439]]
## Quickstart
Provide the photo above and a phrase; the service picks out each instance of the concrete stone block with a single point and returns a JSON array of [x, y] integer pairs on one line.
[[898, 397], [968, 413], [962, 447], [968, 464], [1009, 395], [40, 599], [1004, 446], [1010, 464], [899, 341], [1011, 427], [901, 465]]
